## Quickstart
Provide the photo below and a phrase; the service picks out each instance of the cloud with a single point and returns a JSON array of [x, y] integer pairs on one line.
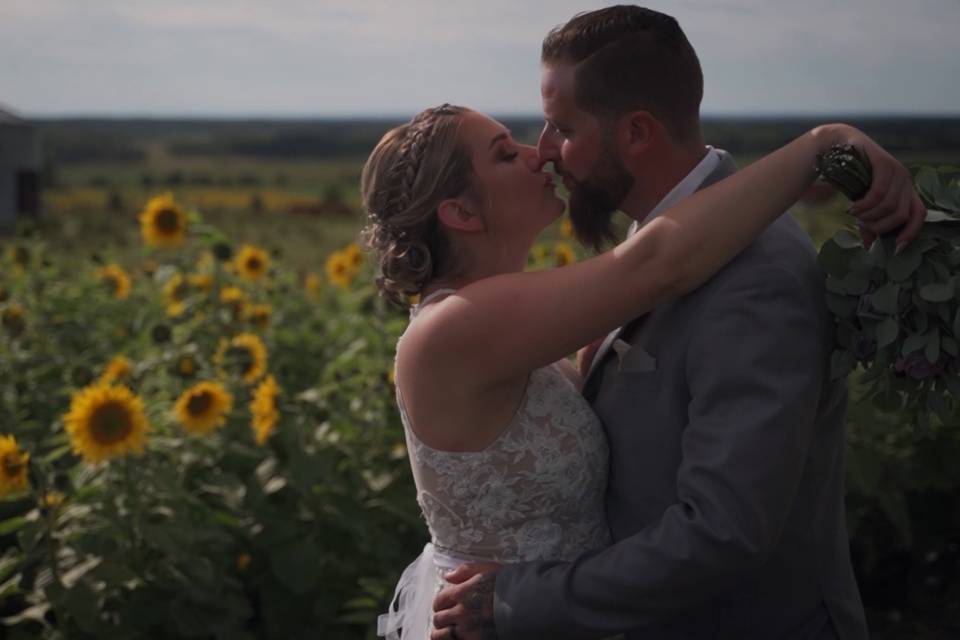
[[369, 56]]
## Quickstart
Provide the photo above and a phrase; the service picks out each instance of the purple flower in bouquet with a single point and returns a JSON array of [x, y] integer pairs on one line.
[[916, 366], [864, 347]]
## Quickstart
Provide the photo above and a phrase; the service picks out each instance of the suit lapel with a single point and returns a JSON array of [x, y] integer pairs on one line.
[[725, 168]]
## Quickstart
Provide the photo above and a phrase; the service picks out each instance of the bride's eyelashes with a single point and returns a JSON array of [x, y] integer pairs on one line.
[[509, 157]]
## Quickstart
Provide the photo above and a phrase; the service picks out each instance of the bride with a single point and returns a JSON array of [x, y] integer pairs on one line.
[[509, 460]]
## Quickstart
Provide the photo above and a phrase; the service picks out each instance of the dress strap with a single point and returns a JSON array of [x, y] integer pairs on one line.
[[420, 305]]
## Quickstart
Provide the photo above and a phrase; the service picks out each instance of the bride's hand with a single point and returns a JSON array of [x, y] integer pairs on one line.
[[891, 201]]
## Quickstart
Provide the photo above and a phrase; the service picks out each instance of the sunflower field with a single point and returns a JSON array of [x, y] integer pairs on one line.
[[203, 444]]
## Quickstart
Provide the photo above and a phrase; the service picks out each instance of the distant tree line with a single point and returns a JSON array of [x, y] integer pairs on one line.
[[84, 140]]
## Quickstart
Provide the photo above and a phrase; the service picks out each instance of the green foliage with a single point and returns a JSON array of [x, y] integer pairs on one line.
[[204, 536], [898, 314]]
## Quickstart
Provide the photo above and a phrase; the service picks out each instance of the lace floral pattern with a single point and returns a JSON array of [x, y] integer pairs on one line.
[[535, 493]]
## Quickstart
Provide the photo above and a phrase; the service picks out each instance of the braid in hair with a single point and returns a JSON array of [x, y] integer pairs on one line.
[[411, 170]]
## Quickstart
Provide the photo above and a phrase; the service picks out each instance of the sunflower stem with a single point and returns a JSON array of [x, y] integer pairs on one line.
[[133, 510]]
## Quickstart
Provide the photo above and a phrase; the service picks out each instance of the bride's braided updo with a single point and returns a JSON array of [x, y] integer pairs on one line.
[[413, 168]]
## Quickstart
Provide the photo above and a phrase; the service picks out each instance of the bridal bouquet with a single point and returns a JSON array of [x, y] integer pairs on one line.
[[898, 315]]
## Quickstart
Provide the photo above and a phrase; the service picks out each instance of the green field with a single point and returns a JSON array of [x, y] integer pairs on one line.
[[223, 536]]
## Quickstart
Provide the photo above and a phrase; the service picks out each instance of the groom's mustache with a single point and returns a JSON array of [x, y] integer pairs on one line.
[[591, 202]]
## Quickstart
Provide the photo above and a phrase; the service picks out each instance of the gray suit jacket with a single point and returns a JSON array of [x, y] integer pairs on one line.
[[725, 498]]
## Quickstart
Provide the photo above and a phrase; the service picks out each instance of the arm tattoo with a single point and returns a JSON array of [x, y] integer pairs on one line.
[[479, 605]]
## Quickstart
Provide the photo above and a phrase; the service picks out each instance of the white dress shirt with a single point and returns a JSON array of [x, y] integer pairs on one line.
[[686, 187]]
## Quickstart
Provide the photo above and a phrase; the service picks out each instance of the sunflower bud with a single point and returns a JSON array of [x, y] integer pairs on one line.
[[222, 251], [160, 333]]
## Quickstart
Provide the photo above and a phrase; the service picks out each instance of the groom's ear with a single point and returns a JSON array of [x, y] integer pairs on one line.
[[453, 213], [637, 131]]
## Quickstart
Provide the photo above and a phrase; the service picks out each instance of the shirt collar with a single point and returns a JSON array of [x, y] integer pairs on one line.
[[684, 188]]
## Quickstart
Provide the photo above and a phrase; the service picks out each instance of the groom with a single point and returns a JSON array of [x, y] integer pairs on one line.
[[725, 497]]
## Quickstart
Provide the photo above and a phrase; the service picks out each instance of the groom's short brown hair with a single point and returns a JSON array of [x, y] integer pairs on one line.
[[629, 58]]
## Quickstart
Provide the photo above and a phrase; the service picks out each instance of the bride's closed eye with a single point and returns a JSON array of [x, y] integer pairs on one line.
[[509, 157]]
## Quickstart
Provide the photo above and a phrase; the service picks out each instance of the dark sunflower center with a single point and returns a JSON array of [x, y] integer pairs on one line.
[[111, 283], [340, 269], [12, 464], [167, 221], [241, 358], [200, 403], [254, 264], [110, 423]]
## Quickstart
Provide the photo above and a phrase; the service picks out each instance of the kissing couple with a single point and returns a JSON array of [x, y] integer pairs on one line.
[[687, 480]]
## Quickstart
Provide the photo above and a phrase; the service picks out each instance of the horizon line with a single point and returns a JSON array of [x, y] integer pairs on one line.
[[524, 115]]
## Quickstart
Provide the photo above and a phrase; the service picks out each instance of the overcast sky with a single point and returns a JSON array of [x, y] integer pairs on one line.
[[366, 57]]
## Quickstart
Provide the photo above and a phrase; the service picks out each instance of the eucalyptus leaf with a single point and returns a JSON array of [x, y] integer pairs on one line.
[[928, 184], [953, 385], [902, 266], [940, 405], [855, 284], [949, 345], [846, 239], [841, 306], [934, 215], [887, 332], [914, 342], [885, 298], [834, 260], [932, 350], [938, 292]]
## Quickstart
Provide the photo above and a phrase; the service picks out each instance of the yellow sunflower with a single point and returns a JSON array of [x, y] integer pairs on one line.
[[246, 353], [106, 421], [339, 270], [175, 292], [117, 369], [200, 281], [186, 366], [259, 315], [52, 499], [563, 254], [538, 253], [117, 279], [313, 285], [13, 319], [252, 263], [163, 223], [234, 297], [354, 256], [13, 467], [176, 289], [566, 228], [263, 408], [203, 407]]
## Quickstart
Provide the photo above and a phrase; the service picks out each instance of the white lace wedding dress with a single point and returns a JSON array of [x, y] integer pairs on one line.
[[535, 493]]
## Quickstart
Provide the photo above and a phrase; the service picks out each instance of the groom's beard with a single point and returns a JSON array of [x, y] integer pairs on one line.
[[594, 200]]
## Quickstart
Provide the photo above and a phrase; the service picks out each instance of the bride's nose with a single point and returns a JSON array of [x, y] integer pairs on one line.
[[531, 157]]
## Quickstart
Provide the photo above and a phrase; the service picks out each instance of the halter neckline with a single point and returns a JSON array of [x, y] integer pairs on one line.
[[420, 305]]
